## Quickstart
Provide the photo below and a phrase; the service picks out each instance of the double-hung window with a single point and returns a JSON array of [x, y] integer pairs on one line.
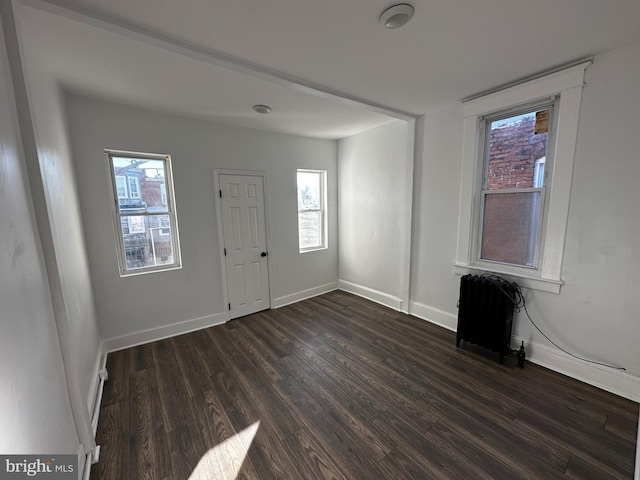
[[512, 192], [144, 212], [312, 217], [517, 165]]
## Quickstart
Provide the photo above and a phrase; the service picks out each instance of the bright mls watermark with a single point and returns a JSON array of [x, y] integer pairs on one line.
[[49, 467]]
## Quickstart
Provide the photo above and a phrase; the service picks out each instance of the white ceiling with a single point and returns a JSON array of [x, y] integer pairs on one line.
[[326, 67]]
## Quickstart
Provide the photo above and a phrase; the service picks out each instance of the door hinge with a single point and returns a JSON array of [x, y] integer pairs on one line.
[[225, 252], [229, 306], [220, 193]]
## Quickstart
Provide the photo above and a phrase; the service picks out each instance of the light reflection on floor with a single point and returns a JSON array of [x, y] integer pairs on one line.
[[224, 461]]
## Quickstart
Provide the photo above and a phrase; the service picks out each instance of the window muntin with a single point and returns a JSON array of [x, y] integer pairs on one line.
[[512, 192], [144, 212], [312, 231]]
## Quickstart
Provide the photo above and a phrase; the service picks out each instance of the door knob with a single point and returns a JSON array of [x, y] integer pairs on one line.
[[263, 254]]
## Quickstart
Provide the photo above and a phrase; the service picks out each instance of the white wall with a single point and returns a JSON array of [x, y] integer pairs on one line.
[[35, 414], [375, 179], [195, 292], [434, 288], [72, 288], [596, 314]]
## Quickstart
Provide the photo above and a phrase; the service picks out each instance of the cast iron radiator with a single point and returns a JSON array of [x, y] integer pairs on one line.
[[485, 312]]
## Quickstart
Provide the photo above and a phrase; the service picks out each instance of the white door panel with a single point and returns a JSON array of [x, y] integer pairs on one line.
[[244, 232]]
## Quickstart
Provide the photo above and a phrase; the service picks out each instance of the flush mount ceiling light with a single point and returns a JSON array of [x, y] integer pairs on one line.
[[397, 16], [262, 109]]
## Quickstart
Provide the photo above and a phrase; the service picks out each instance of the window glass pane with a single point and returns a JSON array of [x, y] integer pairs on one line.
[[510, 228], [309, 190], [147, 241], [146, 185], [513, 150], [310, 229]]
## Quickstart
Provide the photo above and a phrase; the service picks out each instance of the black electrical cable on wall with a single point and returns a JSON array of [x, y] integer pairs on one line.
[[519, 304]]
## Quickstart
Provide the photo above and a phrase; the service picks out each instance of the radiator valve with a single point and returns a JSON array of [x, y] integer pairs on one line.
[[521, 356]]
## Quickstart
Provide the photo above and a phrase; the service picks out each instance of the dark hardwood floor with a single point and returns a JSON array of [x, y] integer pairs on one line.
[[337, 387]]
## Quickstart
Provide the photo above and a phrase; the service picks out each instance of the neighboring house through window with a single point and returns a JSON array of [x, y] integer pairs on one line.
[[144, 212]]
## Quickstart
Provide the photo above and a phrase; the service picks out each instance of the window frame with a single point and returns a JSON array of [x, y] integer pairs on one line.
[[118, 215], [567, 86], [322, 210]]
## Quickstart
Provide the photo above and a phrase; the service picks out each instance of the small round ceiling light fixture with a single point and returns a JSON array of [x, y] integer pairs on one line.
[[264, 109], [397, 16]]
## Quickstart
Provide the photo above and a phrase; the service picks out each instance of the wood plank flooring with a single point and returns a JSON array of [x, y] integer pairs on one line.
[[337, 387]]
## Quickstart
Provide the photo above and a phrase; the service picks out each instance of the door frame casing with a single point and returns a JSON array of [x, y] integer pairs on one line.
[[216, 183]]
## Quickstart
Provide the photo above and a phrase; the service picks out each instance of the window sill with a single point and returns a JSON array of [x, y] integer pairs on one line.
[[312, 249], [144, 271], [535, 283]]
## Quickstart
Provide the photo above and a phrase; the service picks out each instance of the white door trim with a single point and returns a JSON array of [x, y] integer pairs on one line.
[[216, 183]]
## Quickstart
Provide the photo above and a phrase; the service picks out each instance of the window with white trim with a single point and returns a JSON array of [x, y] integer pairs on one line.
[[143, 212], [512, 221], [312, 217]]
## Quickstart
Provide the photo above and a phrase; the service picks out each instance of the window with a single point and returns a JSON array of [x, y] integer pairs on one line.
[[121, 186], [312, 218], [136, 224], [511, 197], [144, 212], [134, 186], [518, 153], [538, 172], [163, 193]]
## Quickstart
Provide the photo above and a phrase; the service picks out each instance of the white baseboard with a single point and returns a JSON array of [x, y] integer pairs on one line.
[[430, 314], [166, 331], [636, 476], [84, 465], [304, 294], [614, 381], [371, 294], [101, 360]]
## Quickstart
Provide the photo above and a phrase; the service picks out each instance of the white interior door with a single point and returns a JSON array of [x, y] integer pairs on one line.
[[245, 243]]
